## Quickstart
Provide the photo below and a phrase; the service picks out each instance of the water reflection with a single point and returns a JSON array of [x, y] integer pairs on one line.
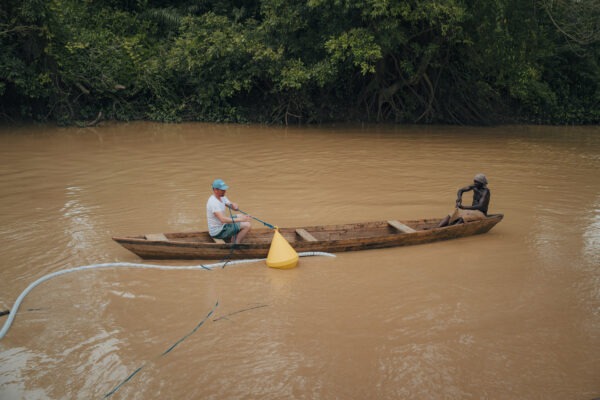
[[78, 222], [15, 364], [416, 371], [102, 363], [591, 235]]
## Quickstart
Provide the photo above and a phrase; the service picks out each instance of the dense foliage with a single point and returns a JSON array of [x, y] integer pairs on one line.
[[289, 61]]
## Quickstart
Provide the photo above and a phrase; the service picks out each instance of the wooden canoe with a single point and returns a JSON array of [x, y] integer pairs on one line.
[[328, 238]]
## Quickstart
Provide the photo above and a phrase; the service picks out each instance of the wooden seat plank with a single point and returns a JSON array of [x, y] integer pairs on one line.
[[303, 233], [156, 237], [219, 241], [401, 227]]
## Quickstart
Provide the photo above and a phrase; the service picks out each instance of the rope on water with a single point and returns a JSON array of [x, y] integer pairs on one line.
[[113, 391], [15, 308]]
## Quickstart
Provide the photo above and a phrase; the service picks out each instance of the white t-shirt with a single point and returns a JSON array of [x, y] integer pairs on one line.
[[212, 205]]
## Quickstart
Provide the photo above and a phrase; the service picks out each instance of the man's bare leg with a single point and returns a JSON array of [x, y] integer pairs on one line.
[[244, 229], [444, 222]]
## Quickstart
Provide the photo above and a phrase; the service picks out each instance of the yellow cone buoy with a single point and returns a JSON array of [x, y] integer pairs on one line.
[[281, 254]]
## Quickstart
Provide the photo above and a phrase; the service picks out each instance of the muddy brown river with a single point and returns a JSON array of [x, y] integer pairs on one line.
[[512, 314]]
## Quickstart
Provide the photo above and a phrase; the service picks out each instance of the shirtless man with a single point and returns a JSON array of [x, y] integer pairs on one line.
[[479, 208]]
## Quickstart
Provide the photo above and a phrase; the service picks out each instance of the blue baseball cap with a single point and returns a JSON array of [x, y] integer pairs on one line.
[[219, 184]]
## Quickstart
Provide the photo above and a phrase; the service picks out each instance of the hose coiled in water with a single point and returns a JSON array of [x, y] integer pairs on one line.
[[13, 312]]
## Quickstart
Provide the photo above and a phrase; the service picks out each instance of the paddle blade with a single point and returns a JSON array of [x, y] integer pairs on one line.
[[281, 254]]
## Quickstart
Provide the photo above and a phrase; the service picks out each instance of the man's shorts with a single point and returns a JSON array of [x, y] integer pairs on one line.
[[228, 231]]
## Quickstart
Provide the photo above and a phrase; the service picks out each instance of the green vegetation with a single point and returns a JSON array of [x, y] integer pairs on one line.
[[290, 61]]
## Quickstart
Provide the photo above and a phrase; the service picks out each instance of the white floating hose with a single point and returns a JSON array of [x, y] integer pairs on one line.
[[13, 311]]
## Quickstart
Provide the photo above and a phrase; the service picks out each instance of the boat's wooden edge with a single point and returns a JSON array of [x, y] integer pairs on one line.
[[173, 236]]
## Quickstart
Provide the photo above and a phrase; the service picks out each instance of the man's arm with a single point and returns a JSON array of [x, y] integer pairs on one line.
[[229, 220], [460, 193], [221, 217]]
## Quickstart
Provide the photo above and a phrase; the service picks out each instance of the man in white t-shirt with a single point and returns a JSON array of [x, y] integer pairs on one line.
[[220, 225]]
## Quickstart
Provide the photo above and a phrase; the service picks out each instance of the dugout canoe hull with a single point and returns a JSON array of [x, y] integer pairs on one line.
[[326, 238]]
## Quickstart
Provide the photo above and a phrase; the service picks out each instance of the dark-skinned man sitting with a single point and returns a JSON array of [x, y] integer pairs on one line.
[[479, 208]]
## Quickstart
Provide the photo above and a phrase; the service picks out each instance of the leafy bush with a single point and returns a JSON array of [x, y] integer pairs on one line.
[[423, 61]]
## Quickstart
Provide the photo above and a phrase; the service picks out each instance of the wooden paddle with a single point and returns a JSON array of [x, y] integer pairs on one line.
[[245, 213]]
